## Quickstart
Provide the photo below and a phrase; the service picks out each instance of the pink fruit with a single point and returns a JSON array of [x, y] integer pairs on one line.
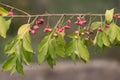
[[45, 30], [11, 13], [86, 38], [91, 31], [55, 34], [84, 21], [37, 22], [60, 29], [49, 29], [82, 33], [33, 32], [76, 32], [81, 23], [69, 21], [78, 18], [77, 22], [118, 16], [35, 27], [67, 27], [85, 28], [41, 20], [107, 25], [100, 29]]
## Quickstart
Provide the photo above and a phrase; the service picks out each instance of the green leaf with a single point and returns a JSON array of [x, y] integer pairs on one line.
[[43, 41], [70, 48], [27, 43], [72, 35], [95, 25], [19, 67], [59, 46], [4, 26], [26, 57], [13, 70], [51, 61], [118, 33], [109, 15], [22, 30], [73, 57], [51, 49], [3, 12], [112, 32], [42, 53], [19, 51], [105, 40], [8, 64], [99, 40], [11, 46], [83, 51]]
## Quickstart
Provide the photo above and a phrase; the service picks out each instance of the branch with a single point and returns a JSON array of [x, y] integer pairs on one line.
[[58, 15], [28, 15]]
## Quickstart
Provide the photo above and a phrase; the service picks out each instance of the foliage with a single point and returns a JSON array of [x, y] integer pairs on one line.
[[53, 45]]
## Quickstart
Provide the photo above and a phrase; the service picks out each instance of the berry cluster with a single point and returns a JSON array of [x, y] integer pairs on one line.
[[80, 21], [116, 16], [40, 22], [84, 31]]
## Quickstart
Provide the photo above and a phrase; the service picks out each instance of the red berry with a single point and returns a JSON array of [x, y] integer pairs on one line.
[[85, 28], [77, 22], [100, 29], [11, 13], [82, 33], [33, 32], [69, 21], [86, 38], [81, 23], [67, 27], [37, 22], [76, 32], [91, 31], [107, 25], [78, 18], [45, 30], [35, 27], [118, 16], [49, 29], [60, 29], [84, 21], [41, 21], [55, 34]]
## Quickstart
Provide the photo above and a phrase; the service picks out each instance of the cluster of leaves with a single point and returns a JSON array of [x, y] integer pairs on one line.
[[19, 49]]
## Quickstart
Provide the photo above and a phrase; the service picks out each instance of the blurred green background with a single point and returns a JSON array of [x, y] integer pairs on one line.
[[59, 6]]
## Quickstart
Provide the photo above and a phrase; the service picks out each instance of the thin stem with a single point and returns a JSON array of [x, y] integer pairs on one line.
[[34, 20], [48, 21], [89, 23], [56, 26], [28, 15], [101, 21], [29, 20]]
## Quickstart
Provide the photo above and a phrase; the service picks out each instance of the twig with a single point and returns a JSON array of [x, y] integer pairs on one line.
[[28, 15]]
